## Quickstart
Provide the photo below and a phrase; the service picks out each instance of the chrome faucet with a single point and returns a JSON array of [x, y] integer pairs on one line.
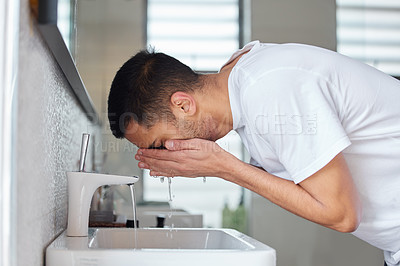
[[81, 187]]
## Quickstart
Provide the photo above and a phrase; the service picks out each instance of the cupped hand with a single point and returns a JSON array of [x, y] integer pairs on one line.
[[188, 158]]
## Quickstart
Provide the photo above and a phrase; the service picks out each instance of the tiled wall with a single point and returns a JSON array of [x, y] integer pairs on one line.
[[49, 128]]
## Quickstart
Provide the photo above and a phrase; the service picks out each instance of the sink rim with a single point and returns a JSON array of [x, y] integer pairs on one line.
[[68, 251], [66, 243], [178, 238]]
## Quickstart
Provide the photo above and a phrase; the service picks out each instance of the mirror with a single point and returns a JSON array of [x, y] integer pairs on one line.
[[49, 28], [107, 34], [90, 40], [66, 23], [99, 36]]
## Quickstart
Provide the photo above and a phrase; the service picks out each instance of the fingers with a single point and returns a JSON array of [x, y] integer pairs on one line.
[[166, 168], [154, 172], [160, 162], [163, 168], [192, 145], [178, 144], [157, 154], [143, 165], [164, 174]]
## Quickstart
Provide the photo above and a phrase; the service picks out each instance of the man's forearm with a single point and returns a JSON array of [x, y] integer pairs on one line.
[[289, 196]]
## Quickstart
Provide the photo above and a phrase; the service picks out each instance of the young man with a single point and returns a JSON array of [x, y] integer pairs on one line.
[[322, 129]]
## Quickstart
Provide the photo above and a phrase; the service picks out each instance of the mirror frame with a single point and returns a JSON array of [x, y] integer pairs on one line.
[[47, 23]]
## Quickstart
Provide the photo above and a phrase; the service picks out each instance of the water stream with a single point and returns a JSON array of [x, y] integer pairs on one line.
[[132, 188], [169, 189]]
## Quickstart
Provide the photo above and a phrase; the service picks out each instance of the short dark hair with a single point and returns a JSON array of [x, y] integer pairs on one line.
[[142, 88]]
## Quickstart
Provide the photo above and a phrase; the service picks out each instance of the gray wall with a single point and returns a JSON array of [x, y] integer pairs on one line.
[[303, 21], [299, 242], [49, 127]]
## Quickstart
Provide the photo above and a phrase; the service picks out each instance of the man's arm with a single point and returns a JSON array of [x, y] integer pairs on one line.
[[328, 197]]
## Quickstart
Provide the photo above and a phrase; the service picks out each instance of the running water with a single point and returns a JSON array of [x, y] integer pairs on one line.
[[171, 210], [132, 188], [170, 197], [169, 188], [206, 243]]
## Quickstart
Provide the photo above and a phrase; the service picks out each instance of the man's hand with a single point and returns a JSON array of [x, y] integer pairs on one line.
[[189, 158], [328, 197]]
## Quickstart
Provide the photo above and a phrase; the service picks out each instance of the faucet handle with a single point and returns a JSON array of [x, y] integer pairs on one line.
[[84, 146]]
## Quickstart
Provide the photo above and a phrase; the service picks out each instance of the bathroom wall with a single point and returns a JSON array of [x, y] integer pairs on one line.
[[299, 242], [49, 127], [305, 21], [302, 243]]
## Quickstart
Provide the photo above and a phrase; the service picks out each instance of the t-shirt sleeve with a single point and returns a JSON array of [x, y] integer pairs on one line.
[[296, 113], [254, 163]]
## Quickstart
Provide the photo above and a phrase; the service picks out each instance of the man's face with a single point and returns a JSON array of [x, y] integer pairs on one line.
[[156, 136]]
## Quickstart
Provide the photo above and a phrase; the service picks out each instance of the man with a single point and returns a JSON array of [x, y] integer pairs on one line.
[[322, 129]]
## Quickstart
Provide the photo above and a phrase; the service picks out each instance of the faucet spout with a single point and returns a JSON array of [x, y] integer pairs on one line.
[[81, 187]]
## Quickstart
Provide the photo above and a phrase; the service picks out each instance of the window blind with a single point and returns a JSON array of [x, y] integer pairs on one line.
[[369, 31], [200, 33]]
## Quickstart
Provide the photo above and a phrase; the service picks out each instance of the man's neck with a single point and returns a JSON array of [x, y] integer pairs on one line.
[[214, 100]]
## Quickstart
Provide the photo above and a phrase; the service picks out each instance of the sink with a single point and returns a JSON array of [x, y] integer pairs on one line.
[[159, 246]]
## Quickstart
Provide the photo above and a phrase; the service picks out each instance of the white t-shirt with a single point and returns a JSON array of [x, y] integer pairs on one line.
[[297, 106]]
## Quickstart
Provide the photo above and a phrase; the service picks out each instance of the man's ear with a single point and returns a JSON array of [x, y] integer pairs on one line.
[[183, 104]]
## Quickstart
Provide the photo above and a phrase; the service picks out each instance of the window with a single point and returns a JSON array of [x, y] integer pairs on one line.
[[195, 196], [202, 34], [369, 31]]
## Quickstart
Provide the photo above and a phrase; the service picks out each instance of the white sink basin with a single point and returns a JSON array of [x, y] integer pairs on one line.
[[158, 246]]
